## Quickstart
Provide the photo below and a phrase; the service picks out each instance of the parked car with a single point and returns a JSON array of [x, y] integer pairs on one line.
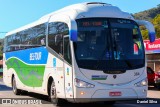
[[151, 76], [157, 80]]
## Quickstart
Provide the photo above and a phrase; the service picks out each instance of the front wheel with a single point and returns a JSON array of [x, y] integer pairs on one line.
[[53, 95], [14, 87]]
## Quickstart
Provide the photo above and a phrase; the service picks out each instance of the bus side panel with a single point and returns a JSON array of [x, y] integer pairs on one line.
[[7, 75], [68, 81], [55, 70], [28, 65]]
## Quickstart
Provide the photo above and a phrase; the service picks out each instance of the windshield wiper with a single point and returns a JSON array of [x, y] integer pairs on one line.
[[108, 55], [126, 61]]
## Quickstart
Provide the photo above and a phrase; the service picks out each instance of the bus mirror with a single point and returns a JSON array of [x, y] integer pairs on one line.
[[73, 35], [152, 36], [73, 31], [150, 28]]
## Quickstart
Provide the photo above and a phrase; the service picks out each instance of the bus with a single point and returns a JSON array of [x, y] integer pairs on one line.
[[86, 52]]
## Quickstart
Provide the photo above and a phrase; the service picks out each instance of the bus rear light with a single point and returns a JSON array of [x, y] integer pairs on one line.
[[82, 84]]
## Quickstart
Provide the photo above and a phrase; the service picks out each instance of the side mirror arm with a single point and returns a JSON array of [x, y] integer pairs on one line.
[[150, 28]]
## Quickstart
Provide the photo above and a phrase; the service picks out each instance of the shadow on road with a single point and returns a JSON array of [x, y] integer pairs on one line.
[[130, 103], [4, 88], [45, 100]]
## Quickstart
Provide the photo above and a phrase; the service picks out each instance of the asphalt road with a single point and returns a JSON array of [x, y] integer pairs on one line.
[[6, 93]]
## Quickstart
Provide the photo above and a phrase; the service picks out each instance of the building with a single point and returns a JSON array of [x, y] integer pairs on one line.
[[152, 51]]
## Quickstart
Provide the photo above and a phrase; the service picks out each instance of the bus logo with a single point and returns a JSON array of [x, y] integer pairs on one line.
[[99, 77], [114, 76]]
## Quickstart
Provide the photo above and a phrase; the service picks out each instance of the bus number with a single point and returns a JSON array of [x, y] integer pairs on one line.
[[136, 73]]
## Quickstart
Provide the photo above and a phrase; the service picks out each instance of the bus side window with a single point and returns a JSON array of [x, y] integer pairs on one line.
[[52, 37], [55, 38], [67, 51]]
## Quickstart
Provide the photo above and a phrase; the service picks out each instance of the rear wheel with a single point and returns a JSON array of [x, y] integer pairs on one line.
[[14, 87]]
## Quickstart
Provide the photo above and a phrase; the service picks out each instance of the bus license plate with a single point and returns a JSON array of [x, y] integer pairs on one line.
[[115, 93]]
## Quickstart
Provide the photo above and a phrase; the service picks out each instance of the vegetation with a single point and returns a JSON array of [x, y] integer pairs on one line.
[[152, 15], [1, 49]]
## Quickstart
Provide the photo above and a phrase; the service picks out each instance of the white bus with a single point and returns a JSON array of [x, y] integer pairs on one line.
[[82, 53]]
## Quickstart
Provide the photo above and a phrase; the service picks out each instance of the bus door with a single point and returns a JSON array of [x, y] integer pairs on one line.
[[67, 67]]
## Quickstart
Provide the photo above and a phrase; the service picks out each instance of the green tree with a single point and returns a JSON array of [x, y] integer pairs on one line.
[[156, 22], [144, 32]]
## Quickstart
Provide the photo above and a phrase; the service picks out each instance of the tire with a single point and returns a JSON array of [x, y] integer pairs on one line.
[[53, 95], [155, 86], [16, 91], [158, 86]]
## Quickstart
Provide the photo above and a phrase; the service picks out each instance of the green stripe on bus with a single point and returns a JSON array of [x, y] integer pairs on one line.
[[29, 75]]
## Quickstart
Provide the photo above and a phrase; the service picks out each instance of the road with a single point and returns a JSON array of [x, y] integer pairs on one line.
[[6, 92]]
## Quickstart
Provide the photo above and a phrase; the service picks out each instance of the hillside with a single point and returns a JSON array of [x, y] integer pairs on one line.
[[152, 15], [148, 14]]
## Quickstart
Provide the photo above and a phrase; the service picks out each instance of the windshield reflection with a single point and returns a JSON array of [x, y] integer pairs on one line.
[[108, 44]]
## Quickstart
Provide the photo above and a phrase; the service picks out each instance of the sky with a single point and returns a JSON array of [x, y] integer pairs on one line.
[[17, 13]]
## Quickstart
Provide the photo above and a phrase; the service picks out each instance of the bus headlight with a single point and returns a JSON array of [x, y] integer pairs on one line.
[[141, 83], [82, 84]]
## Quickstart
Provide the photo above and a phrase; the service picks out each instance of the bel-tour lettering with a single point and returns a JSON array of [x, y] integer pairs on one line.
[[35, 56]]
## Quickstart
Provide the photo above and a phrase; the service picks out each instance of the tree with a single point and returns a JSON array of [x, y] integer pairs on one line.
[[156, 23]]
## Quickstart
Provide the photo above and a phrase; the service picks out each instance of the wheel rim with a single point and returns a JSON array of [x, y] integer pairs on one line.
[[53, 91], [14, 85]]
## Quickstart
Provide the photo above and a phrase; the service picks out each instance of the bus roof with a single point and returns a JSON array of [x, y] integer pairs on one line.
[[82, 10]]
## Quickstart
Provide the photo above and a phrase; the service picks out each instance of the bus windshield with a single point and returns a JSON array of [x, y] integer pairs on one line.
[[108, 44]]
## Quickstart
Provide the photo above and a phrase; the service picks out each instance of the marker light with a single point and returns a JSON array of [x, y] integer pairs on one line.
[[82, 84], [82, 93]]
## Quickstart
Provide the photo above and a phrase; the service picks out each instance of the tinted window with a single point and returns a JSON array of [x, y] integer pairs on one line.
[[55, 38], [108, 44], [29, 38], [67, 51]]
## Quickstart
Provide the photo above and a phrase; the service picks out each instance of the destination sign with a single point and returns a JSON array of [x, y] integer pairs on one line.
[[92, 23]]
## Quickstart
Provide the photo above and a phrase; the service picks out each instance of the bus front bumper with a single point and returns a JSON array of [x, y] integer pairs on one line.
[[111, 95]]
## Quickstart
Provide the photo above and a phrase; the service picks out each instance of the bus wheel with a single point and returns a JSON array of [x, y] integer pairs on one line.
[[14, 87], [53, 95]]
